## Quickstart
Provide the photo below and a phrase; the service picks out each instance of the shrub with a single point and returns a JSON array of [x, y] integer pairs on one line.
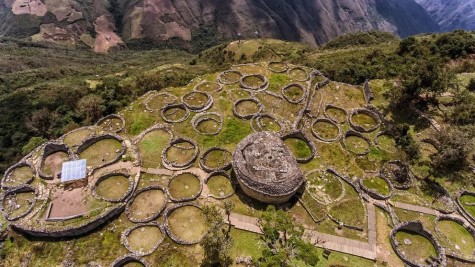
[[471, 85], [454, 150]]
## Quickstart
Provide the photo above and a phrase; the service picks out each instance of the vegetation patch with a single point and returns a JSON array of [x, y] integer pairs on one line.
[[468, 203], [151, 145], [299, 148], [377, 184], [324, 187], [456, 237]]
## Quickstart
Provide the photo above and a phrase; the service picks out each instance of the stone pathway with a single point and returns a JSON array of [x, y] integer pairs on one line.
[[415, 208], [323, 240]]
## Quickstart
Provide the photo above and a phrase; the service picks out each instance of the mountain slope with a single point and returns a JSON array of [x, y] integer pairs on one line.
[[102, 24], [451, 14]]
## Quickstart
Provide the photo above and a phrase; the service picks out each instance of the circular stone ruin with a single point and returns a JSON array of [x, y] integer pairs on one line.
[[416, 246], [18, 202], [364, 120], [215, 159], [247, 108], [175, 113], [130, 260], [398, 173], [76, 137], [209, 123], [179, 154], [159, 101], [113, 187], [265, 123], [208, 87], [143, 239], [335, 114], [278, 67], [185, 223], [377, 187], [101, 151], [185, 186], [52, 158], [254, 82], [356, 143], [298, 74], [456, 237], [197, 101], [220, 185], [112, 123], [294, 93], [326, 130], [147, 204], [19, 174], [384, 141], [300, 146], [229, 77], [325, 187], [266, 169], [466, 204]]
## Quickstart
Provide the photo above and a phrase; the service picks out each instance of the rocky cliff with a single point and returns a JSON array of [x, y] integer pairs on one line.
[[451, 14], [102, 24]]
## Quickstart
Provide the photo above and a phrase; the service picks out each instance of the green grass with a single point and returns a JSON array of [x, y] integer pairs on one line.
[[184, 185], [420, 249], [468, 203], [20, 176], [461, 241], [21, 199], [336, 114], [357, 144], [147, 204], [113, 187], [141, 122], [377, 184], [151, 146], [220, 186], [364, 121], [326, 130], [75, 138], [234, 131], [387, 143], [217, 159], [144, 238], [324, 187], [187, 223], [101, 152], [298, 74], [298, 147], [245, 244]]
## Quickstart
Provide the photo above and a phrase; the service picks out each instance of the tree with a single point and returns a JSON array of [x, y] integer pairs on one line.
[[284, 240], [217, 242], [91, 107], [454, 150], [40, 121], [471, 85], [32, 144]]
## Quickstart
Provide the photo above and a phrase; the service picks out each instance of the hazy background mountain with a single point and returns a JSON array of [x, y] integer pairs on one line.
[[451, 14], [102, 24]]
